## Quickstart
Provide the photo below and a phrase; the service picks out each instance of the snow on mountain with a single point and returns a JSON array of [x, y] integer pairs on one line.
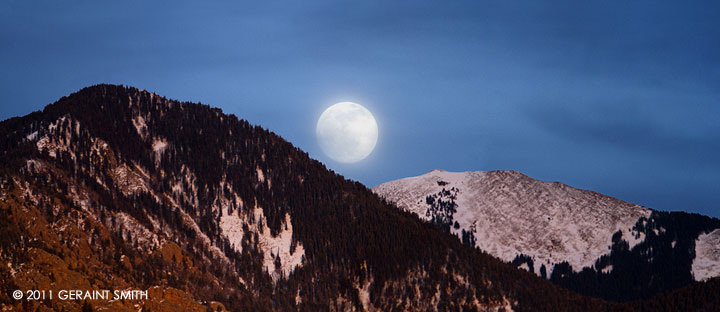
[[707, 256], [510, 213], [280, 248]]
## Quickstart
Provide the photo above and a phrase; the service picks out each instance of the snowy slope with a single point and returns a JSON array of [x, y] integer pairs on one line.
[[511, 213], [707, 256]]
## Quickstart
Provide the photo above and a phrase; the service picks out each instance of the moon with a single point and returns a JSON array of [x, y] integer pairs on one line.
[[347, 132]]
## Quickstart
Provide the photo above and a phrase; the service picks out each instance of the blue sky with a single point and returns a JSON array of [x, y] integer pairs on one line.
[[619, 97]]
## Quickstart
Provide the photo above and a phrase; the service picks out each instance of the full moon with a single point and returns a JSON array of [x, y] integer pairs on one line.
[[347, 132]]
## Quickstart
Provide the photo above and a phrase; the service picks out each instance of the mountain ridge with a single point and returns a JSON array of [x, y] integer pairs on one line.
[[540, 225], [114, 187]]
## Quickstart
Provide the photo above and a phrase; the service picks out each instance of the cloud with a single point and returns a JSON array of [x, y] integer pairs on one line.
[[629, 130]]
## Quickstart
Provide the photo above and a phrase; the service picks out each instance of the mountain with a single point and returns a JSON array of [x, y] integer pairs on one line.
[[119, 189], [591, 243], [114, 188]]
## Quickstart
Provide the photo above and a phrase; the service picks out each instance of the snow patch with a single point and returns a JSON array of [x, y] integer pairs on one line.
[[140, 125], [186, 188], [279, 246], [707, 256], [52, 142], [32, 136], [633, 238], [126, 224], [607, 269], [272, 247], [260, 175], [44, 144], [34, 164], [364, 296], [129, 180], [188, 221], [525, 267], [53, 126], [232, 227], [159, 146]]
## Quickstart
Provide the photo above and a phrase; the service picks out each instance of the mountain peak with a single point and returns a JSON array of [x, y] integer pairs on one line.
[[495, 205]]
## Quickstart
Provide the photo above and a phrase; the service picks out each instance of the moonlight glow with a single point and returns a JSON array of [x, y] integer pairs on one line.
[[347, 132]]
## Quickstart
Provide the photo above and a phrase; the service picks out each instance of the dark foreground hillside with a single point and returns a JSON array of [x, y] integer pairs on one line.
[[117, 188]]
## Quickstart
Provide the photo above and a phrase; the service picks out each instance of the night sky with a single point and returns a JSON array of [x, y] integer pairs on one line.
[[622, 97]]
